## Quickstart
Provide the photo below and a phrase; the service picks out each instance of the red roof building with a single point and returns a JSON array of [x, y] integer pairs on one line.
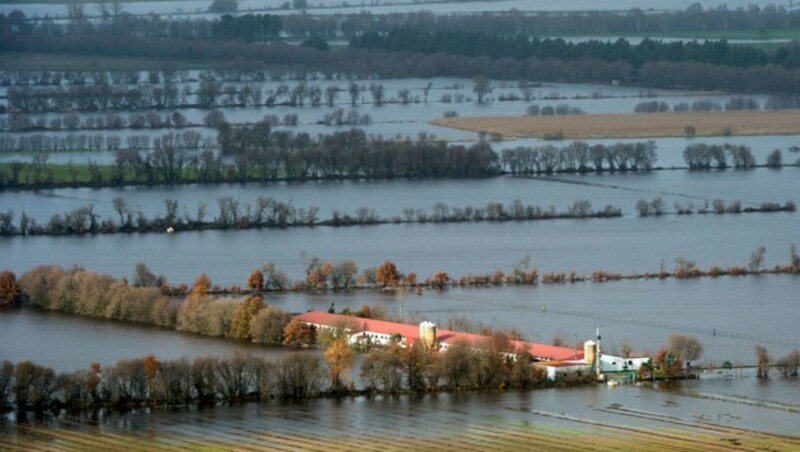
[[381, 331]]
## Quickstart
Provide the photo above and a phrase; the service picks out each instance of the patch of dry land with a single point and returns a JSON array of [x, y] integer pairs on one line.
[[641, 125]]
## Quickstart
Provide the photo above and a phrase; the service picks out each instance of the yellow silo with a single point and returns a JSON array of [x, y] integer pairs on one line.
[[427, 334], [589, 352]]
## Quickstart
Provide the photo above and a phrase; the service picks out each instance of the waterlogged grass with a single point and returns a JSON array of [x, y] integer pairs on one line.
[[643, 125], [378, 435]]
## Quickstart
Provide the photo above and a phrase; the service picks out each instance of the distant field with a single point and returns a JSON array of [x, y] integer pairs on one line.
[[66, 62], [644, 125], [478, 436]]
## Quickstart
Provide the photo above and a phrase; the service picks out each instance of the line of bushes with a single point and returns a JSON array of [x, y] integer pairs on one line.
[[269, 213], [657, 207]]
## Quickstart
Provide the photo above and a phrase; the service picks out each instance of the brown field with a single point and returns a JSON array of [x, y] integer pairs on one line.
[[644, 125]]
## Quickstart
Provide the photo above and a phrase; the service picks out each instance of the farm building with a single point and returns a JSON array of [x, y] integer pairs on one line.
[[382, 332]]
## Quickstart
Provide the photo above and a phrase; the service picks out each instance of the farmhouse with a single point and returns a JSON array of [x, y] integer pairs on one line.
[[382, 332]]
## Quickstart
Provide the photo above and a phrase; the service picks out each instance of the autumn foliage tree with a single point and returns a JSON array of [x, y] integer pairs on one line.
[[255, 281], [151, 366], [201, 285], [9, 289], [299, 333], [386, 274], [243, 316], [338, 357]]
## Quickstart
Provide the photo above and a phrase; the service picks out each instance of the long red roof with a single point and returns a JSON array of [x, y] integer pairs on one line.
[[411, 332]]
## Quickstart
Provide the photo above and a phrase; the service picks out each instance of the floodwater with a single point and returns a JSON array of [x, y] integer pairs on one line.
[[68, 343], [443, 416], [198, 8], [390, 197]]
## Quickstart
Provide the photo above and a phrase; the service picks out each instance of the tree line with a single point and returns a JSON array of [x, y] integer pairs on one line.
[[41, 144], [701, 156], [559, 23], [209, 381], [657, 207], [260, 154], [270, 28], [364, 62], [521, 47], [270, 213], [579, 157]]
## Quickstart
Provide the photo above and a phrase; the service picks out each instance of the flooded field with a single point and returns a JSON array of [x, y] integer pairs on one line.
[[562, 419]]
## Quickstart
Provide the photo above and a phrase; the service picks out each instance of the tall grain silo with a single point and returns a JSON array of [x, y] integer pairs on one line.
[[590, 352], [427, 334]]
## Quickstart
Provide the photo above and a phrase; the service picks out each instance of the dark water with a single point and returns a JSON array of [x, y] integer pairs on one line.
[[389, 198], [68, 343]]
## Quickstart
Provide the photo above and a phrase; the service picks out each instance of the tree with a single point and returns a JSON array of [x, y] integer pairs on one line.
[[201, 285], [756, 259], [299, 333], [763, 359], [789, 364], [256, 280], [481, 87], [355, 90], [386, 274], [143, 277], [10, 292], [243, 315], [687, 348], [775, 159], [378, 91], [339, 358], [268, 324], [151, 366]]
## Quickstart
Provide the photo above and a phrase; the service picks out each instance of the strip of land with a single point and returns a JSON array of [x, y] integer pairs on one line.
[[642, 125]]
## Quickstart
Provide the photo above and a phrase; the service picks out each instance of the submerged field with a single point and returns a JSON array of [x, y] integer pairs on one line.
[[289, 427], [649, 125]]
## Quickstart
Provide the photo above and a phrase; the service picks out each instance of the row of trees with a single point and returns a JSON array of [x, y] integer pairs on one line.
[[579, 157], [270, 213], [705, 156], [522, 47], [558, 23], [657, 207], [361, 62], [82, 292], [733, 104], [40, 144], [208, 381], [18, 122], [148, 381], [266, 27]]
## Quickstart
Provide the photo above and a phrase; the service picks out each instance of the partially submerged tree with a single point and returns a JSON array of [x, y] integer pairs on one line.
[[763, 359], [687, 348]]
